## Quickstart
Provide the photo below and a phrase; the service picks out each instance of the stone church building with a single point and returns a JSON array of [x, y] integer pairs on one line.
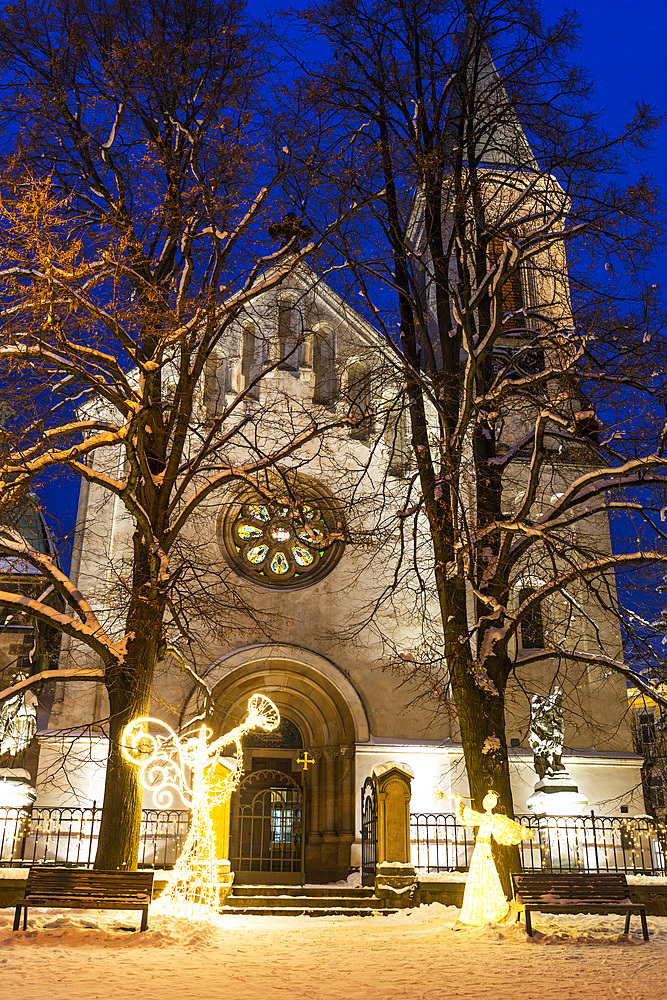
[[328, 633], [301, 632]]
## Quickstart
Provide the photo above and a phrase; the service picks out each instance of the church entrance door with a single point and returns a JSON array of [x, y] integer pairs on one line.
[[267, 835]]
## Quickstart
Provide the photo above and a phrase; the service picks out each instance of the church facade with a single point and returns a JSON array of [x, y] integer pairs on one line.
[[327, 632]]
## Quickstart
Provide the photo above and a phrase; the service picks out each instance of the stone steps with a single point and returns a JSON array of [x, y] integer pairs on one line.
[[314, 901], [324, 891], [308, 911]]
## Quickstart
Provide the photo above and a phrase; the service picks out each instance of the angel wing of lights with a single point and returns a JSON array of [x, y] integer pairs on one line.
[[262, 714], [164, 760]]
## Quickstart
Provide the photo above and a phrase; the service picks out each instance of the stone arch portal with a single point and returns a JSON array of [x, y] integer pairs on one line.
[[321, 703]]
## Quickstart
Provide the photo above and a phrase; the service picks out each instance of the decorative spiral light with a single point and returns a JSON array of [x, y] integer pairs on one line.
[[170, 765]]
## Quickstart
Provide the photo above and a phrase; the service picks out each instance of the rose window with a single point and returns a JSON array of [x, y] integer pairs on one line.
[[293, 539]]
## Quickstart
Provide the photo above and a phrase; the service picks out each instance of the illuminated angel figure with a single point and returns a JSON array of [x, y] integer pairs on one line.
[[484, 900], [169, 765]]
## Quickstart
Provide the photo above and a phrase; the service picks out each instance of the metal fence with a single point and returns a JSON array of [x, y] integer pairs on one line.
[[440, 843], [590, 843], [68, 836]]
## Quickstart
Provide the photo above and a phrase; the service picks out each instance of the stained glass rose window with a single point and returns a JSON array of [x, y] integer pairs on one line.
[[291, 537]]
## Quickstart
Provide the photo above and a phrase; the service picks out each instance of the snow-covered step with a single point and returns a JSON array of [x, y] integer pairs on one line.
[[313, 900], [360, 892], [304, 900], [299, 911]]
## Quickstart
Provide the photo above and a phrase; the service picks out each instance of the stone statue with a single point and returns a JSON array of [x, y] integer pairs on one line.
[[18, 721], [547, 733], [555, 794]]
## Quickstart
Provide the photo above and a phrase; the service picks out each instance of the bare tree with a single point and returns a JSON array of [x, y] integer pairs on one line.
[[468, 136], [135, 203]]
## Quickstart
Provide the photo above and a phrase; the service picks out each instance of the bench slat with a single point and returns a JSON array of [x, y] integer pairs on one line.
[[69, 879]]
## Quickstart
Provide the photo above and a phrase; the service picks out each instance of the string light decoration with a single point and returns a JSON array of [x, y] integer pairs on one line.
[[170, 765], [484, 901]]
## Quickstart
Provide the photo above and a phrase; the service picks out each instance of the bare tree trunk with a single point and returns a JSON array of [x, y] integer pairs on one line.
[[482, 718], [129, 689], [118, 842]]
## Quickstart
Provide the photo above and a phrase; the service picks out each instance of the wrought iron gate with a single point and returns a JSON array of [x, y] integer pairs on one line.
[[369, 825], [268, 829]]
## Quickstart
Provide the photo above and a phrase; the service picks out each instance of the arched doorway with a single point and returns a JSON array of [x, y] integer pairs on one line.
[[267, 832], [324, 718]]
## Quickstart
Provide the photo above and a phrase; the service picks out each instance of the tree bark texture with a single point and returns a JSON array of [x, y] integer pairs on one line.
[[129, 690]]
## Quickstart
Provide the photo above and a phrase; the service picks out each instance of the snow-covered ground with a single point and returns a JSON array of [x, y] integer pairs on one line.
[[412, 955]]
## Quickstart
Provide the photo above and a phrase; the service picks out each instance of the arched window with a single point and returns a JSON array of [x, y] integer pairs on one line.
[[531, 627], [358, 392], [395, 435], [324, 366], [512, 293], [216, 384], [289, 337], [249, 359]]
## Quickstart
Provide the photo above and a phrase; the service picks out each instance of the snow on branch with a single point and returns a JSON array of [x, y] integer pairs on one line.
[[65, 674]]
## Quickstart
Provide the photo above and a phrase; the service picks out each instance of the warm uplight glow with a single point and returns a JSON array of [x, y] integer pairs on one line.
[[484, 900], [169, 764]]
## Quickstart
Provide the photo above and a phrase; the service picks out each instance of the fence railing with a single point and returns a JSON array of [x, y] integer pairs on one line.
[[590, 843], [440, 842], [68, 836]]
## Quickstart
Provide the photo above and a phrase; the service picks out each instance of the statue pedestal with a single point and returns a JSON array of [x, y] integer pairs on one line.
[[556, 794], [16, 798], [16, 791]]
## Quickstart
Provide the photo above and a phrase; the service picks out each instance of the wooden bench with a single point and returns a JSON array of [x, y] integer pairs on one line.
[[83, 889], [575, 892]]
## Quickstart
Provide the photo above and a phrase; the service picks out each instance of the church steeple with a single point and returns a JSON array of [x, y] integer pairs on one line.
[[481, 113]]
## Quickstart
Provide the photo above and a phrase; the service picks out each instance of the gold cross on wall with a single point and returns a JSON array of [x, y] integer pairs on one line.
[[305, 760]]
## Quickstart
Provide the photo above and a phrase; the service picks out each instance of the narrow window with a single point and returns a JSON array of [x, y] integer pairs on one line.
[[532, 631], [512, 292], [396, 438], [324, 367], [657, 792], [249, 359], [288, 338], [215, 386], [645, 730], [359, 399]]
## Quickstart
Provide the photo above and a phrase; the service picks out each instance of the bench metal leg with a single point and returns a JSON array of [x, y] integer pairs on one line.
[[529, 924], [644, 924], [627, 923], [17, 918], [25, 918], [144, 919]]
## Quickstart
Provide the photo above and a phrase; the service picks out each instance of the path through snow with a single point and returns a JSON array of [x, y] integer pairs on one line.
[[412, 955]]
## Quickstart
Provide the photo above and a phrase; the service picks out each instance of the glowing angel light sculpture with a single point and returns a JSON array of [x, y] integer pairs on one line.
[[170, 764], [484, 900]]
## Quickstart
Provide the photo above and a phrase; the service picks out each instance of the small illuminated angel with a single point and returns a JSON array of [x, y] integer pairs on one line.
[[171, 765], [484, 900]]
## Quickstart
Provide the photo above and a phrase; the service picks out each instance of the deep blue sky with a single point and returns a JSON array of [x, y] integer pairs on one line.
[[622, 49]]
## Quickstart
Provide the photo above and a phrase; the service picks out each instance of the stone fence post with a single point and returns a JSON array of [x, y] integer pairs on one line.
[[395, 874]]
